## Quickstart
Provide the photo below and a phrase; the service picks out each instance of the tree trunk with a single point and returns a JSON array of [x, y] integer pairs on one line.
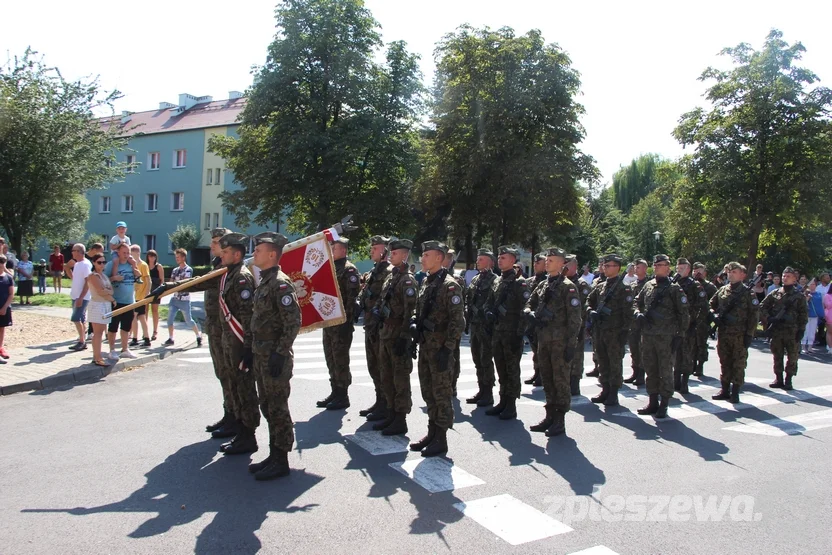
[[469, 248], [754, 243]]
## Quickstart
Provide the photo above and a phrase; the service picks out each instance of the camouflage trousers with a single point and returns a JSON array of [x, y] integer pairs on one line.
[[436, 386], [482, 355], [577, 364], [243, 387], [372, 348], [610, 349], [657, 357], [274, 399], [223, 373], [337, 343], [634, 341], [508, 350], [554, 373], [733, 357], [395, 376], [683, 358], [703, 331], [457, 367], [783, 344]]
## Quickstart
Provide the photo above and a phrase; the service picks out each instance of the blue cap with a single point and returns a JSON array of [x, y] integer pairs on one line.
[[121, 224]]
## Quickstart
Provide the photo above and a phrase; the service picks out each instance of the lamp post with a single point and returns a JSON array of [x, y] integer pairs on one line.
[[657, 235]]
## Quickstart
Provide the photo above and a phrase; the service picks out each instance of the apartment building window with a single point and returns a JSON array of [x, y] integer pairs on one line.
[[151, 202], [104, 205], [149, 242], [127, 203], [209, 177], [207, 220], [179, 158], [217, 180], [170, 246], [153, 159], [131, 163], [216, 219], [177, 202]]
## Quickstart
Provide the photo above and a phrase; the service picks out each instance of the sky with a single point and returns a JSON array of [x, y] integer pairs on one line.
[[639, 61]]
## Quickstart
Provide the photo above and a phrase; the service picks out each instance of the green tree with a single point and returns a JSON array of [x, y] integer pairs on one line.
[[761, 166], [327, 131], [186, 236], [632, 183], [53, 150], [505, 154]]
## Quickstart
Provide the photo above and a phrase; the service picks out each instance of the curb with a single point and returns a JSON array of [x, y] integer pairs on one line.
[[90, 373]]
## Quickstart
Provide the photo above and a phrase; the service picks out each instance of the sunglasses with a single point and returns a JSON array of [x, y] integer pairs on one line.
[[99, 263]]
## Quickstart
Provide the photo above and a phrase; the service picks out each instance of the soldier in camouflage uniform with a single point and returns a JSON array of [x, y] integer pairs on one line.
[[736, 311], [584, 289], [554, 310], [235, 300], [275, 323], [610, 309], [504, 311], [439, 322], [599, 279], [662, 315], [703, 327], [450, 260], [338, 339], [634, 339], [785, 314], [539, 277], [370, 293], [394, 310], [698, 306], [480, 337]]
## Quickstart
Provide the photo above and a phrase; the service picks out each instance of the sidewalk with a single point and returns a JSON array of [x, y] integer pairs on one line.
[[53, 365]]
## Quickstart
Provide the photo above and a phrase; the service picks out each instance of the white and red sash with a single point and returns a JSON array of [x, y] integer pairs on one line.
[[234, 324]]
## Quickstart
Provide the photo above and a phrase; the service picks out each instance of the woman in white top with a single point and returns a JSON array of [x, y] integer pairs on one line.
[[101, 303]]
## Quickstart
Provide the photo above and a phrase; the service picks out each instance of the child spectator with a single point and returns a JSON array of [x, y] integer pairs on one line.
[[25, 271], [40, 271], [6, 298], [181, 302], [157, 278], [142, 288], [56, 267]]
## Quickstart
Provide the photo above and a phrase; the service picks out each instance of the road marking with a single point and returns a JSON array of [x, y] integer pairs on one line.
[[511, 519], [436, 474], [198, 359], [597, 550], [786, 426], [377, 444]]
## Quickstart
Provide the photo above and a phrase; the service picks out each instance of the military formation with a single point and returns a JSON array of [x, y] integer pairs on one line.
[[665, 320]]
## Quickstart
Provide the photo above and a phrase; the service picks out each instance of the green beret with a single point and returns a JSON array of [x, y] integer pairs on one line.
[[661, 258], [508, 249], [539, 257], [219, 232], [612, 257], [397, 244], [571, 258], [736, 266], [435, 246], [277, 239], [698, 266], [485, 252], [341, 241], [234, 240], [683, 261], [790, 270], [379, 240], [555, 251]]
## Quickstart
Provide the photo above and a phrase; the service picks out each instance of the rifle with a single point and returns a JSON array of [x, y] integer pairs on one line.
[[542, 315], [651, 313], [422, 323], [476, 307], [725, 317], [781, 317], [598, 316]]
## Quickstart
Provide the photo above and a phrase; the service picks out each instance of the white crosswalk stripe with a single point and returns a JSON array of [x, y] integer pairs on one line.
[[511, 519], [377, 444], [436, 474], [788, 425], [597, 550]]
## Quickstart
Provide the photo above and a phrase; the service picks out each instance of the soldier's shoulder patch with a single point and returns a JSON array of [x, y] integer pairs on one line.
[[755, 301], [455, 299], [408, 282], [286, 300], [353, 278], [409, 291], [283, 286], [526, 294], [629, 298], [451, 287], [684, 299], [586, 291], [242, 281], [702, 293], [245, 294], [575, 302]]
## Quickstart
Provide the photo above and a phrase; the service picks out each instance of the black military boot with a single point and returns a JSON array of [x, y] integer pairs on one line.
[[510, 410], [735, 393], [340, 399], [538, 381], [244, 442], [425, 441], [778, 381], [683, 385], [788, 383], [370, 409], [477, 396], [677, 380], [724, 393], [230, 429], [601, 397], [639, 378], [278, 467], [254, 468], [662, 412], [487, 398], [651, 407], [398, 426], [700, 369], [386, 422], [544, 424], [558, 426], [594, 373], [439, 445], [380, 412], [220, 423], [533, 379], [612, 398], [325, 401], [497, 409], [632, 378], [574, 385]]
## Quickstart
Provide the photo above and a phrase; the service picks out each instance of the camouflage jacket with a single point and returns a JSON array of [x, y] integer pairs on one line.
[[348, 283], [744, 309], [617, 298], [211, 300], [506, 302], [440, 318], [788, 304], [710, 288], [372, 282], [476, 296], [238, 297], [697, 300], [396, 303], [666, 307], [276, 319], [557, 307]]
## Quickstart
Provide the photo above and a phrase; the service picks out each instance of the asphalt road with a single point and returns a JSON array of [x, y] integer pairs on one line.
[[123, 466]]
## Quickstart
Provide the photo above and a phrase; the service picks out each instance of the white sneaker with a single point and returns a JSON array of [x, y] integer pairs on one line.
[[113, 355], [89, 337], [128, 354]]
